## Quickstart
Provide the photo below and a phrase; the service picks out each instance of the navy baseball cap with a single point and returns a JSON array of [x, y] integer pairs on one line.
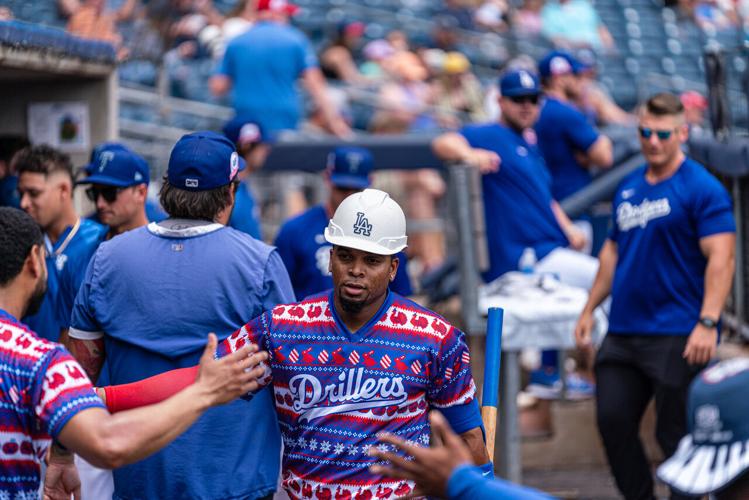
[[519, 83], [716, 450], [114, 164], [559, 62], [349, 167], [243, 132], [203, 160]]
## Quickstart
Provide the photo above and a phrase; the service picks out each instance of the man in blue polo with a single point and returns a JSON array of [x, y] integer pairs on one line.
[[668, 265], [517, 188], [251, 145], [149, 297], [45, 185], [263, 66], [568, 142], [301, 242]]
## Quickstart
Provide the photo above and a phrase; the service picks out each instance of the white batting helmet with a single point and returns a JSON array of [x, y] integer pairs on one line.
[[369, 221]]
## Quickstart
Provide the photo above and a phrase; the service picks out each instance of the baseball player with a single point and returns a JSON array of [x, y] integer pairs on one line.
[[148, 298], [301, 242], [351, 362], [45, 394], [668, 265], [45, 185]]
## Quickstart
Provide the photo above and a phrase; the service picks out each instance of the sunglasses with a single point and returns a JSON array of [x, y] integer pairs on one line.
[[522, 99], [647, 133], [109, 193]]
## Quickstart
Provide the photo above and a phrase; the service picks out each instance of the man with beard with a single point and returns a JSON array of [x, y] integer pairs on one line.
[[45, 395], [351, 362], [45, 185]]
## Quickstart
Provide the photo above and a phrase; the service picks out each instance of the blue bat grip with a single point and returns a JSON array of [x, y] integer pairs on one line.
[[493, 357]]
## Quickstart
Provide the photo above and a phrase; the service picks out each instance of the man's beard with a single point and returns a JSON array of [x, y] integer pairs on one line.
[[350, 306], [35, 302]]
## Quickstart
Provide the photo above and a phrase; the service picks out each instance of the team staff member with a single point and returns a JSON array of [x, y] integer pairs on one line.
[[9, 146], [45, 184], [301, 241], [668, 265], [354, 361], [148, 298], [517, 193], [45, 394], [568, 142]]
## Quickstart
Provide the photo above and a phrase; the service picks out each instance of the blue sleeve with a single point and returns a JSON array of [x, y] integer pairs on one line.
[[402, 283], [467, 483], [285, 249], [713, 210], [83, 316], [307, 57], [226, 67], [578, 131], [276, 285], [463, 418], [71, 279]]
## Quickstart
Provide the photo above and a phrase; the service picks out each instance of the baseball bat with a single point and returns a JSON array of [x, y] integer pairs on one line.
[[492, 362]]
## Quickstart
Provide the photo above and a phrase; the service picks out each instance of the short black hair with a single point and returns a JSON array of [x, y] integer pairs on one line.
[[18, 234], [43, 160], [10, 145], [200, 205], [664, 104]]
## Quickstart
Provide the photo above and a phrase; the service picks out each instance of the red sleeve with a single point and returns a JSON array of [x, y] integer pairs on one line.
[[149, 391]]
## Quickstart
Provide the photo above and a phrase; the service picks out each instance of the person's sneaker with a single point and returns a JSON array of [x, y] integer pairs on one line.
[[545, 384], [579, 388]]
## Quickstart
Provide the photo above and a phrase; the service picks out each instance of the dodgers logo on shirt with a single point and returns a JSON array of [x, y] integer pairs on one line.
[[352, 392], [629, 216], [60, 261], [362, 225]]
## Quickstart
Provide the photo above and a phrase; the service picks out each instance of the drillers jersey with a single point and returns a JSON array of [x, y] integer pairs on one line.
[[335, 390]]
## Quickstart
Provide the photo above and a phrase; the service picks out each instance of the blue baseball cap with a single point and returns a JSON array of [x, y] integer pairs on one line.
[[716, 450], [349, 167], [203, 160], [114, 164], [243, 132], [519, 83], [559, 62]]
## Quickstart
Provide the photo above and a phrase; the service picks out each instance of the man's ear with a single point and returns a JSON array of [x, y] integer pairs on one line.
[[394, 263], [35, 262]]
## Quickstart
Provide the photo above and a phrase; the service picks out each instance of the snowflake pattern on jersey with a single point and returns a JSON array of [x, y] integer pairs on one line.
[[335, 390], [41, 388]]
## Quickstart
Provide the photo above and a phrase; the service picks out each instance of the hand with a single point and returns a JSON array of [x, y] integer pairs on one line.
[[340, 128], [584, 329], [61, 479], [223, 380], [430, 468], [486, 161], [577, 238], [701, 345]]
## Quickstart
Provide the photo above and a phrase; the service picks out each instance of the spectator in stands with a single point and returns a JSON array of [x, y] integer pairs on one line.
[[407, 98], [338, 59], [460, 11], [493, 15], [377, 54], [316, 124], [263, 66], [444, 34], [695, 107], [6, 14], [9, 146], [398, 40], [253, 147], [574, 24], [238, 21], [716, 15], [527, 19], [592, 99], [458, 96], [301, 243], [90, 19]]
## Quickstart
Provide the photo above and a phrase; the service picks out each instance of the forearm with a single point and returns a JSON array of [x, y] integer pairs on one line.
[[564, 221], [315, 84], [451, 147], [90, 354], [604, 277], [474, 439], [718, 279]]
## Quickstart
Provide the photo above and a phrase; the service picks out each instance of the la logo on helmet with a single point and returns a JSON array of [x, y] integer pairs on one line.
[[362, 225]]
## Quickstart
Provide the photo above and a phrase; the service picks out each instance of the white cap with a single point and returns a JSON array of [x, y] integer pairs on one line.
[[369, 221]]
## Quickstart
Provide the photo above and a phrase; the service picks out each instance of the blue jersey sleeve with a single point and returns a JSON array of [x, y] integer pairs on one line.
[[276, 284], [226, 67], [306, 55], [713, 210], [402, 282], [578, 131], [71, 279], [284, 245], [83, 322], [467, 483]]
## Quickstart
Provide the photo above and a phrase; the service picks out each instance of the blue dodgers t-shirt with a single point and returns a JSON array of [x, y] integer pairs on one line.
[[562, 132], [65, 273], [244, 217], [659, 279], [264, 64], [302, 246], [156, 292], [517, 200]]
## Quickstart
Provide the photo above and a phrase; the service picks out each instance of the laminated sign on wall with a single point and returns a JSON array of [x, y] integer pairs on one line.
[[62, 125]]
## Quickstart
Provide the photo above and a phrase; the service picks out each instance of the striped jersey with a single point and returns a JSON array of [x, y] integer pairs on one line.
[[41, 388], [335, 390]]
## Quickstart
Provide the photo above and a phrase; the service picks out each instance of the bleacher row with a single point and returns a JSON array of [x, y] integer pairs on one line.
[[655, 50]]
